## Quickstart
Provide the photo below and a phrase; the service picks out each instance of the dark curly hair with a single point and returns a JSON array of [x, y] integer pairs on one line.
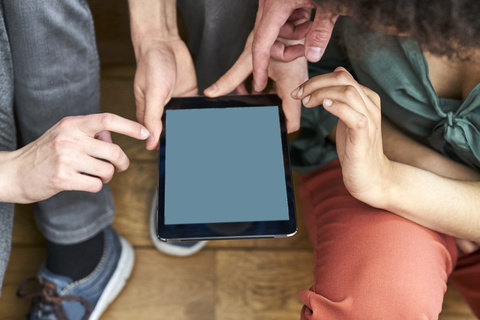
[[443, 27]]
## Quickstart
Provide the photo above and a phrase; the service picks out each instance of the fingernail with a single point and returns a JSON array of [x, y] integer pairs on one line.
[[295, 93], [327, 102], [256, 87], [306, 99], [313, 54], [212, 89], [144, 133]]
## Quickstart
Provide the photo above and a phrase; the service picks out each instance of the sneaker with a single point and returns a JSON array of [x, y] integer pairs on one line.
[[179, 249], [59, 298]]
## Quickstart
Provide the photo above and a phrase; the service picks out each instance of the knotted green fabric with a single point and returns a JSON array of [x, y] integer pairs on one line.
[[396, 69]]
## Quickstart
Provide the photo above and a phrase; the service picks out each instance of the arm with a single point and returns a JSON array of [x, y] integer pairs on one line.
[[401, 148], [164, 65], [286, 76], [77, 153], [437, 202]]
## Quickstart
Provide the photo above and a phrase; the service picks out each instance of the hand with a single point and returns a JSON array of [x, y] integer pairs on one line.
[[365, 168], [467, 246], [287, 76], [164, 69], [271, 21], [75, 154]]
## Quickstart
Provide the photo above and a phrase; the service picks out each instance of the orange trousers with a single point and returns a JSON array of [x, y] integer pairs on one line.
[[372, 264]]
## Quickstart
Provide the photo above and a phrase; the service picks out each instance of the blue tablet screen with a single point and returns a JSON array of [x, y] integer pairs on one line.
[[224, 165]]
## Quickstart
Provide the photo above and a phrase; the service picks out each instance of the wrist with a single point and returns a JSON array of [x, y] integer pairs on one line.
[[153, 21], [384, 187], [10, 189]]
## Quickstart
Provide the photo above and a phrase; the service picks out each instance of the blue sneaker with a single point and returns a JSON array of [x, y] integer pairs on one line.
[[179, 249], [59, 298]]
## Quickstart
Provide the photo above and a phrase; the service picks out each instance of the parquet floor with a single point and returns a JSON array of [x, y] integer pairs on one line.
[[228, 280]]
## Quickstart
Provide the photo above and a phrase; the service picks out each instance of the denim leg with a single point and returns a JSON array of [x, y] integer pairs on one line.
[[56, 74], [7, 140], [217, 32]]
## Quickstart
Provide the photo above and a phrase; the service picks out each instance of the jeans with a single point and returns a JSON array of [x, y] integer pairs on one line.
[[373, 264], [217, 32], [49, 70]]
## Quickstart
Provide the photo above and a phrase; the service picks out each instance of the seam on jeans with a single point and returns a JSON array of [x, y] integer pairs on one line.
[[310, 199], [58, 236]]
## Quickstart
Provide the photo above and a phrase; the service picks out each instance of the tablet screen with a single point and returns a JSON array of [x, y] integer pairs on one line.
[[227, 167]]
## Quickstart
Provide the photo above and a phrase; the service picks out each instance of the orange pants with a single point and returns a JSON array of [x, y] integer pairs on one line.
[[372, 264]]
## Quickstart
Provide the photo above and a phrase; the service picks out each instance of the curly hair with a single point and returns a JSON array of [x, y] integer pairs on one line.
[[443, 27]]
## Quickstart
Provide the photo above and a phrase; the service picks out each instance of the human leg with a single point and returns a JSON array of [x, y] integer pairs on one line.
[[369, 263], [56, 73], [7, 139], [217, 32]]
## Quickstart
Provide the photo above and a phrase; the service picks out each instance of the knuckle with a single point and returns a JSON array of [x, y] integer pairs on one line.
[[62, 161], [66, 122], [106, 119], [319, 35], [362, 122], [108, 172], [59, 143], [116, 153], [59, 179], [349, 92], [96, 186], [343, 77], [376, 98]]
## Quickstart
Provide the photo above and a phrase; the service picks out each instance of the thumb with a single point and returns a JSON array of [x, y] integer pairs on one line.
[[319, 35]]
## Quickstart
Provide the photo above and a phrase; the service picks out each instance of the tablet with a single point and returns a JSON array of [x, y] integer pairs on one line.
[[224, 170]]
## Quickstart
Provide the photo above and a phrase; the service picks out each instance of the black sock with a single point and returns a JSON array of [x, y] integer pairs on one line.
[[75, 261]]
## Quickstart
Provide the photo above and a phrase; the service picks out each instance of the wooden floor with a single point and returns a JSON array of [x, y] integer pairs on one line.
[[228, 280]]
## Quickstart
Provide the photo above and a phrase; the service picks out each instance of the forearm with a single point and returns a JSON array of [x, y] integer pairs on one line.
[[429, 188], [8, 185], [442, 204], [401, 148], [152, 20]]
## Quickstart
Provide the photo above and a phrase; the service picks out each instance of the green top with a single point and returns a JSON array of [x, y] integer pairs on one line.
[[396, 69]]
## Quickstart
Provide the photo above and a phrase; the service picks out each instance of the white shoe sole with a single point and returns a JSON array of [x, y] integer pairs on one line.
[[166, 247], [117, 281]]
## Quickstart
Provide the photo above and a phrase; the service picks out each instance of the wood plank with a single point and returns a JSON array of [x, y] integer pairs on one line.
[[24, 263], [259, 284], [163, 287], [176, 288], [25, 231], [454, 307], [133, 191]]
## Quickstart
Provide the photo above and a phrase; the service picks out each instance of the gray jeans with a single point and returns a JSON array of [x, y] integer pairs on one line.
[[49, 69]]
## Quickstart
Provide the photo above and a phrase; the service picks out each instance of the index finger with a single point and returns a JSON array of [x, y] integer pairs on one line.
[[94, 123]]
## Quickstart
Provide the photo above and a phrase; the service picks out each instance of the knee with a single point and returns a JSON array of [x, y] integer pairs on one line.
[[373, 301]]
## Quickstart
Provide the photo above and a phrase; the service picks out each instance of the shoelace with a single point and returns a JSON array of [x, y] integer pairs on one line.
[[48, 302]]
